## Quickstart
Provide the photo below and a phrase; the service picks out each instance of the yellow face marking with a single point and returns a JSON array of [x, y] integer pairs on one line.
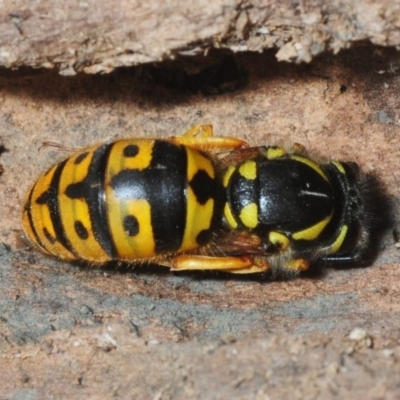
[[198, 216], [339, 166], [274, 152], [74, 211], [248, 170], [249, 215], [337, 244], [279, 240], [311, 164], [229, 216], [312, 232], [228, 175]]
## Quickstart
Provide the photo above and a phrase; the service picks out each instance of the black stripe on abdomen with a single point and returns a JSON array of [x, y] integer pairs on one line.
[[91, 189], [163, 185], [50, 199]]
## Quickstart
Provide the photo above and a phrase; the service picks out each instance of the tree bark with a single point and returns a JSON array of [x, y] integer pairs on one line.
[[95, 37]]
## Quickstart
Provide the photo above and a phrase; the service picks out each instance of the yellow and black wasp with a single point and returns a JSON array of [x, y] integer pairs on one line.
[[199, 202]]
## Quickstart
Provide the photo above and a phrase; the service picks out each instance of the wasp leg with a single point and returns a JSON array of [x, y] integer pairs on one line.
[[201, 137], [200, 130], [58, 145], [238, 155], [234, 265], [298, 265]]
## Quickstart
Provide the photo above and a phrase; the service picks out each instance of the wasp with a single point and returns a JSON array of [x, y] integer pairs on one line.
[[199, 202]]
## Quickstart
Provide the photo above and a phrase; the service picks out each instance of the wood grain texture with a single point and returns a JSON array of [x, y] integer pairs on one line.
[[95, 37]]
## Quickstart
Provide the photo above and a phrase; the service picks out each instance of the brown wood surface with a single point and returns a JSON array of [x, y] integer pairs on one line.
[[98, 36]]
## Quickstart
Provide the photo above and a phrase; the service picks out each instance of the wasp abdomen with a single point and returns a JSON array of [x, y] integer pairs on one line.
[[128, 200]]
